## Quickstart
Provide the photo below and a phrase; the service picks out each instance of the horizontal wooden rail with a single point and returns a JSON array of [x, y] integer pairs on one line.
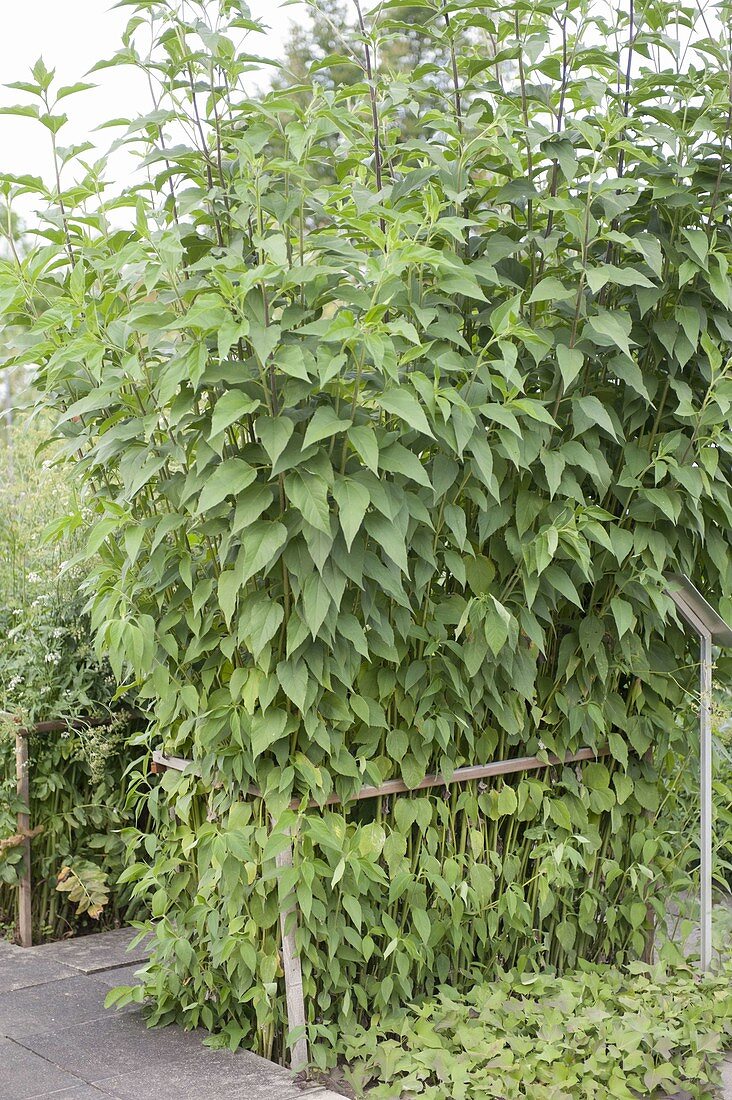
[[290, 956], [58, 726], [161, 762], [17, 839]]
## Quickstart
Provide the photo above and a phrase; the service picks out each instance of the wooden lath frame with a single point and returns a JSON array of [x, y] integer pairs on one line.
[[291, 965]]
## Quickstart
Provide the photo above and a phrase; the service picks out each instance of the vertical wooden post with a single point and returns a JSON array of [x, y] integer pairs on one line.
[[25, 921], [293, 971], [650, 944]]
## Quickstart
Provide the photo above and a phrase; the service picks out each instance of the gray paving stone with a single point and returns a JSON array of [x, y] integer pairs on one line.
[[41, 1008], [126, 1060], [121, 975], [213, 1075], [100, 951], [22, 968], [83, 1092], [727, 1079], [25, 1074], [117, 1044]]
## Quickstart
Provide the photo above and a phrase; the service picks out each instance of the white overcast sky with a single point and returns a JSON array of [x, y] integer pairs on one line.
[[71, 35]]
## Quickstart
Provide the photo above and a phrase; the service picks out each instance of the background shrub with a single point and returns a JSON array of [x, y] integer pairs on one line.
[[81, 791]]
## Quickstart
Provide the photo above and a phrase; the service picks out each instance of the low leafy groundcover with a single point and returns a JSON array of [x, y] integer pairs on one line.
[[595, 1033]]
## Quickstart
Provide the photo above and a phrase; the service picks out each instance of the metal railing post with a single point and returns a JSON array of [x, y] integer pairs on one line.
[[705, 797]]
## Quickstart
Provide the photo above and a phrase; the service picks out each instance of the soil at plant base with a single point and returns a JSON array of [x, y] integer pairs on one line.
[[335, 1081]]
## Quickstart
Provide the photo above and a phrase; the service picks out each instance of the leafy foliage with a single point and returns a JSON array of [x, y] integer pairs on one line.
[[594, 1033], [79, 789], [388, 441], [48, 668]]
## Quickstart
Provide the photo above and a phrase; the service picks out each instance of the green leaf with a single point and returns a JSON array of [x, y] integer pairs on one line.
[[260, 620], [588, 411], [496, 624], [352, 906], [551, 289], [534, 409], [611, 329], [618, 747], [623, 787], [391, 540], [230, 408], [260, 549], [309, 494], [560, 814], [570, 362], [598, 277], [72, 89], [397, 459], [229, 584], [316, 603], [266, 730], [294, 679], [623, 615], [363, 441], [422, 924], [21, 110], [400, 402], [630, 373], [324, 424], [413, 772], [274, 434], [507, 801], [353, 500], [249, 506], [228, 479]]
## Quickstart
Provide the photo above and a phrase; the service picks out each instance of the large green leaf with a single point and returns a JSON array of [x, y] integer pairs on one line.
[[353, 500], [228, 479]]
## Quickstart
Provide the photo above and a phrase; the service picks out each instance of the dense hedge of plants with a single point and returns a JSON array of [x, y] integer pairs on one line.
[[393, 402], [80, 794]]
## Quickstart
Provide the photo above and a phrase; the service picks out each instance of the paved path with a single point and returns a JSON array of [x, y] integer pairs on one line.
[[58, 1041]]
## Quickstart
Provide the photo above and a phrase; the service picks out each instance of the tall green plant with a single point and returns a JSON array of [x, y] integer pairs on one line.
[[388, 444]]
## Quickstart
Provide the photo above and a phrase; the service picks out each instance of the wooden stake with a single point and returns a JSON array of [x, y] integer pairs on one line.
[[293, 971], [25, 917]]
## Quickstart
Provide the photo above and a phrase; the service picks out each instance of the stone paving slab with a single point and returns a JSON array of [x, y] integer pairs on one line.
[[121, 975], [54, 1005], [90, 954], [57, 1042], [727, 1078], [20, 969], [85, 1092], [25, 1074], [213, 1075], [128, 1045]]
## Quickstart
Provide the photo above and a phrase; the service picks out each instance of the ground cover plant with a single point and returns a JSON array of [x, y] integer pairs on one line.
[[49, 671], [391, 402], [592, 1034]]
